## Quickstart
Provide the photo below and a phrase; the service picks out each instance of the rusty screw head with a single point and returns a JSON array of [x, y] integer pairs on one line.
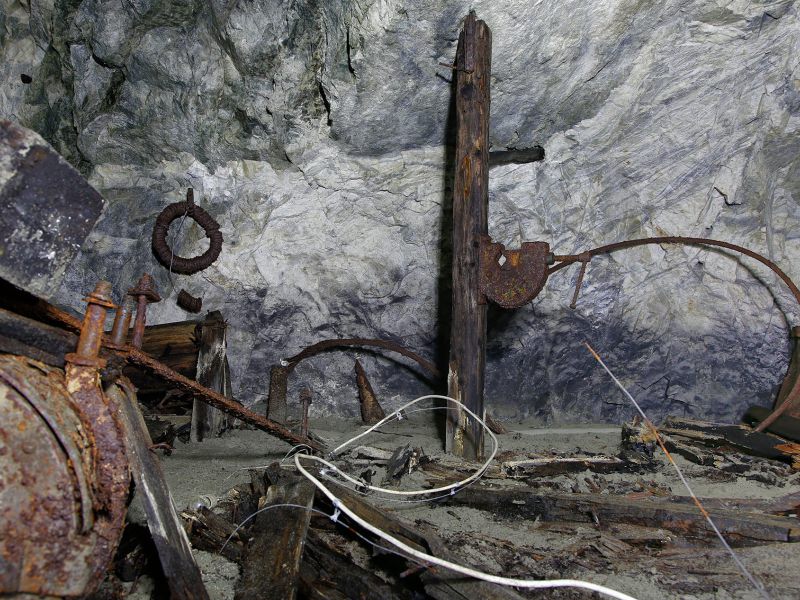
[[145, 287]]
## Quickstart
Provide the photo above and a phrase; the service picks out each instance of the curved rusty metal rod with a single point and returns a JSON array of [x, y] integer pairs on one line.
[[584, 257], [346, 342]]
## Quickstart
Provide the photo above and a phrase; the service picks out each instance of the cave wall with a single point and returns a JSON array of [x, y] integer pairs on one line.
[[317, 133]]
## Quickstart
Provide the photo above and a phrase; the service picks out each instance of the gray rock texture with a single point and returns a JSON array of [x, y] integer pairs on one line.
[[317, 134]]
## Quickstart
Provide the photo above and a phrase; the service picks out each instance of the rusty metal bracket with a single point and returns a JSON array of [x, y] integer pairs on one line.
[[516, 280]]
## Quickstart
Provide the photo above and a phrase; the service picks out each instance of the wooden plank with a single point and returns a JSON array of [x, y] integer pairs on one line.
[[213, 372], [739, 527], [271, 562], [174, 552], [173, 344], [470, 208]]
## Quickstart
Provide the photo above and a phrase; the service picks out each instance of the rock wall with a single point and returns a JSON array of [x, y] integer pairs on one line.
[[317, 134]]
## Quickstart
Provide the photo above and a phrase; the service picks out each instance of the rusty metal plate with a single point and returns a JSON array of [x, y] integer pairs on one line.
[[516, 279], [55, 537], [47, 210]]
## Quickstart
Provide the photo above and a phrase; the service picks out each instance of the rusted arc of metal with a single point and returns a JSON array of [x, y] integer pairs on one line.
[[324, 345], [216, 400], [565, 260], [568, 259]]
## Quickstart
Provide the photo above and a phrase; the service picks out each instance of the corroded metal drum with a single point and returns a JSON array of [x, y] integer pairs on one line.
[[64, 479]]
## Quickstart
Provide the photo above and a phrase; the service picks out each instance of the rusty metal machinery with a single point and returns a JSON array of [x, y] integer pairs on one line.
[[64, 477]]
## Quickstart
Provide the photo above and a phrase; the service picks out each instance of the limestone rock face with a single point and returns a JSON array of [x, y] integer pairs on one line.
[[317, 134]]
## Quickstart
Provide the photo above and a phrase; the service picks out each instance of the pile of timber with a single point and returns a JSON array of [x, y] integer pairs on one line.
[[296, 552]]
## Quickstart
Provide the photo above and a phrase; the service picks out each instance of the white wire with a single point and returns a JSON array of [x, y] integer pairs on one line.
[[422, 556], [755, 582], [459, 484]]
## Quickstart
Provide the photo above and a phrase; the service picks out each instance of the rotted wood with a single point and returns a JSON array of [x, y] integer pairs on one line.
[[277, 409], [211, 532], [271, 561], [213, 372], [172, 344], [465, 378], [371, 410], [174, 551], [730, 437], [739, 528], [329, 573], [27, 337]]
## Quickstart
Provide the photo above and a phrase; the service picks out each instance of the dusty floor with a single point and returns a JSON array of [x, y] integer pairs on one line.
[[200, 473]]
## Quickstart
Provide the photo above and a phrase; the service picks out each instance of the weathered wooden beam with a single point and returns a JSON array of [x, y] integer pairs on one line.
[[470, 209], [739, 527], [271, 562], [181, 571], [213, 372]]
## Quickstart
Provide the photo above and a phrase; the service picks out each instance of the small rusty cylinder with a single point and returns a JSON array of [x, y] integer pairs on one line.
[[144, 293], [93, 324], [122, 322]]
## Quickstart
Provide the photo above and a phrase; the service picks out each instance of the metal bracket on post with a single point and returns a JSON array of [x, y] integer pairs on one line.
[[519, 279]]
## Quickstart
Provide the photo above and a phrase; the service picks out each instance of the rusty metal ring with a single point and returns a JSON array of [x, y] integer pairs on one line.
[[164, 253]]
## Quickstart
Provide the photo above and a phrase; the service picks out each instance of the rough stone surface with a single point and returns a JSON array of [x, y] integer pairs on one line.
[[316, 134]]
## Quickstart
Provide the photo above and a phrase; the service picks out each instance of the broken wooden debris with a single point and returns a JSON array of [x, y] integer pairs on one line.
[[327, 573], [271, 560], [404, 461], [174, 551], [213, 533], [371, 410], [557, 465], [494, 425], [739, 528], [729, 437]]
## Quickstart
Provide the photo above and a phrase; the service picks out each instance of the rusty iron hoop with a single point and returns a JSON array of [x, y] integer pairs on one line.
[[584, 257], [164, 253]]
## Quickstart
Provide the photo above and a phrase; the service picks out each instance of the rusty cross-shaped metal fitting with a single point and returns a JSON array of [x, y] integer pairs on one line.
[[519, 278], [305, 401], [144, 293], [86, 354]]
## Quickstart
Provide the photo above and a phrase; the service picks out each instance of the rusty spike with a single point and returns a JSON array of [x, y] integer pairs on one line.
[[371, 410], [144, 293]]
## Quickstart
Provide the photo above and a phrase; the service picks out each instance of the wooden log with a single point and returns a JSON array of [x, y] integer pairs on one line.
[[213, 372], [174, 345], [271, 562], [181, 571], [277, 409], [470, 208], [739, 528]]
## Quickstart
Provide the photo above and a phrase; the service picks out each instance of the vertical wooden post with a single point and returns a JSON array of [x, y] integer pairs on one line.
[[470, 208], [214, 373]]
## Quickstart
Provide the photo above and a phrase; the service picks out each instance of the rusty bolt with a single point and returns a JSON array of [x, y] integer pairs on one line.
[[122, 322], [144, 293], [305, 401], [92, 329]]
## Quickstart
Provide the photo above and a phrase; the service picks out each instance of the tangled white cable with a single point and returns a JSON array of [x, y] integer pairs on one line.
[[422, 556]]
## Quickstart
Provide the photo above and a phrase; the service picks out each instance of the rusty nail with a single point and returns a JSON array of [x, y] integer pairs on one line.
[[145, 293], [92, 328], [122, 322], [305, 401]]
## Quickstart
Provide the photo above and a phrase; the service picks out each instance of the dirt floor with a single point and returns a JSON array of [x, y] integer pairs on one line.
[[647, 563]]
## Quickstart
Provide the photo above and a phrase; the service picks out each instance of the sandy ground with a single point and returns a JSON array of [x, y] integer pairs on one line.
[[200, 473]]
